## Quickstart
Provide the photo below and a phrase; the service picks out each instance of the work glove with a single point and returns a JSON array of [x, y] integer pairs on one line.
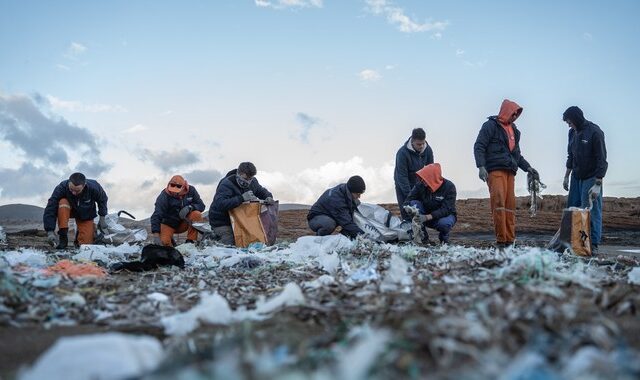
[[249, 196], [425, 218], [565, 183], [595, 190], [269, 201], [534, 173], [185, 211], [156, 240], [52, 238], [102, 224], [410, 210], [483, 174]]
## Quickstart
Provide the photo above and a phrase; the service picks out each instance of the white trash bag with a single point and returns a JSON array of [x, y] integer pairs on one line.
[[116, 233], [378, 223]]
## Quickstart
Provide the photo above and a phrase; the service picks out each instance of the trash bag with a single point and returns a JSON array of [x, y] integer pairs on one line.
[[254, 222], [151, 258], [574, 233], [116, 233], [378, 223]]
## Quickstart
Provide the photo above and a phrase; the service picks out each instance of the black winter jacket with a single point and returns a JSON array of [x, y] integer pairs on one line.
[[440, 203], [337, 203], [408, 162], [229, 196], [491, 149], [168, 207], [586, 151], [83, 206]]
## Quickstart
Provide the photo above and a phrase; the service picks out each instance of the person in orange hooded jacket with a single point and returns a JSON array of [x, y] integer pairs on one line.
[[177, 206], [498, 157], [435, 199]]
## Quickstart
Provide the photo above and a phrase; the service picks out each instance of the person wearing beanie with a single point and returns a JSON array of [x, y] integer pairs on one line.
[[335, 207], [177, 206], [75, 198], [435, 199], [412, 156], [586, 168], [497, 155]]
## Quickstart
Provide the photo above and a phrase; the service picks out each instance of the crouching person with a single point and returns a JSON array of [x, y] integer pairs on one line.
[[75, 198], [177, 206], [435, 199], [232, 191], [335, 207]]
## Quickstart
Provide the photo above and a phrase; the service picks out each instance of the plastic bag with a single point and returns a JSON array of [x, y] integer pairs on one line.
[[254, 222], [378, 223], [574, 234], [117, 234]]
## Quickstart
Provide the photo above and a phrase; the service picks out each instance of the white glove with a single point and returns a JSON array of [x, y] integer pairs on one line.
[[248, 196], [483, 174], [102, 224], [565, 183], [595, 190], [52, 238], [269, 201]]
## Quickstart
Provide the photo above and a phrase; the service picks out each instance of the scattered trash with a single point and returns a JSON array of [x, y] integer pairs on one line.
[[76, 270], [397, 275], [3, 236], [75, 299], [364, 274], [634, 276], [152, 256], [117, 234], [158, 297], [26, 256]]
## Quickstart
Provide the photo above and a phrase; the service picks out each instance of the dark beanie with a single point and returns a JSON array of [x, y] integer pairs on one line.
[[574, 115], [356, 184]]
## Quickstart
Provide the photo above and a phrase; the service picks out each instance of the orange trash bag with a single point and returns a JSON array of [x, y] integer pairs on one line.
[[254, 222], [574, 234]]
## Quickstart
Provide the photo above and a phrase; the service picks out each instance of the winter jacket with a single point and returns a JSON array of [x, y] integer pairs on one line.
[[587, 153], [408, 162], [491, 149], [168, 207], [229, 196], [83, 206], [337, 203], [440, 203]]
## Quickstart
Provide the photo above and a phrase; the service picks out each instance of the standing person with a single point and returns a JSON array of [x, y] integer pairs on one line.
[[412, 156], [587, 166], [435, 199], [75, 198], [177, 206], [498, 157], [231, 192], [335, 207]]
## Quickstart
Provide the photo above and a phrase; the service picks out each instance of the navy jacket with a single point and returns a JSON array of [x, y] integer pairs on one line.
[[337, 203], [491, 149], [229, 196], [168, 207], [83, 206], [587, 153], [440, 203], [408, 162]]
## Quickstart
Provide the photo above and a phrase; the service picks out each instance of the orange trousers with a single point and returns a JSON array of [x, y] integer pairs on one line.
[[166, 232], [503, 205], [85, 228]]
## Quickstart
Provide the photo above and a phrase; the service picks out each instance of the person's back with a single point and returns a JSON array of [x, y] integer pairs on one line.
[[335, 207]]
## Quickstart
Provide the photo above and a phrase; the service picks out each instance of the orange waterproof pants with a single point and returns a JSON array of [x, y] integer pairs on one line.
[[503, 205], [85, 227], [166, 232]]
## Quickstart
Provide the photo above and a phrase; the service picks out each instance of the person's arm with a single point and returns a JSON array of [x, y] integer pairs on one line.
[[345, 220], [480, 146], [225, 198], [401, 174], [600, 153], [101, 200], [448, 206], [429, 154], [51, 210], [523, 164], [158, 212], [416, 193], [262, 192], [197, 202], [569, 164]]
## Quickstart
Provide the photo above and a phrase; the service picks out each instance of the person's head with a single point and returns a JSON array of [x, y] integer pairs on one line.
[[356, 186], [418, 139], [77, 182], [245, 174], [431, 176], [574, 117], [177, 186], [509, 112]]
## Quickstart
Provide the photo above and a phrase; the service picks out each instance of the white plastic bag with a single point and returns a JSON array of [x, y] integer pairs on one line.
[[378, 223]]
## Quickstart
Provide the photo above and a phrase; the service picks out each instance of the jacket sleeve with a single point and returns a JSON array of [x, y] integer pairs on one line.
[[448, 205], [480, 146], [430, 159], [600, 154], [523, 164], [262, 192], [51, 210], [101, 200], [416, 194], [401, 173], [569, 152], [197, 202], [345, 220], [158, 213], [225, 200]]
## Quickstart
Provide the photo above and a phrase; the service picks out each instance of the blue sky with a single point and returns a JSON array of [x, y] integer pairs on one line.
[[310, 91]]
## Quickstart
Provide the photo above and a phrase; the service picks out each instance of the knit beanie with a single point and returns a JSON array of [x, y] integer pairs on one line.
[[356, 184]]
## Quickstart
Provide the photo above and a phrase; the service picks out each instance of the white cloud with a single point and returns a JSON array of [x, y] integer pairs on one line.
[[436, 36], [283, 4], [459, 52], [396, 16], [369, 75], [389, 67], [76, 106], [136, 128], [475, 64], [63, 67], [587, 36], [75, 50]]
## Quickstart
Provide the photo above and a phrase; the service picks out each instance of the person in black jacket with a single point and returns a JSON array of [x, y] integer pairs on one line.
[[498, 157], [177, 206], [412, 156], [335, 207], [587, 166], [231, 192], [435, 199], [75, 198]]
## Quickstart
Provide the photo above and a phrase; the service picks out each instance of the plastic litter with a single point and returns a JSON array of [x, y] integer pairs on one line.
[[364, 274], [29, 257], [117, 234], [76, 270], [634, 276], [3, 236], [380, 224], [397, 275], [158, 297], [75, 299], [356, 361], [152, 256]]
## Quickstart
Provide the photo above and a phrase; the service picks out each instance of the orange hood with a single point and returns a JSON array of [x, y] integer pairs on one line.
[[431, 175], [507, 109], [174, 192]]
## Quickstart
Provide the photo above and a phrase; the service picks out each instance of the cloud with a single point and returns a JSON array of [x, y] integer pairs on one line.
[[284, 4], [476, 64], [170, 161], [203, 177], [63, 67], [76, 106], [369, 75], [459, 52], [74, 50], [136, 128], [306, 123], [389, 67], [436, 36], [587, 36], [404, 23], [47, 138], [26, 181]]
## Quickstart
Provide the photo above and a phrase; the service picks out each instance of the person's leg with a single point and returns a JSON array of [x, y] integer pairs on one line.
[[510, 212], [322, 225], [64, 214], [86, 230], [226, 234], [401, 197], [443, 226], [574, 199], [596, 209], [497, 193], [166, 234], [192, 233]]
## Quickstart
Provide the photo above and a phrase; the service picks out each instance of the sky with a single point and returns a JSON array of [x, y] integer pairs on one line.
[[310, 91]]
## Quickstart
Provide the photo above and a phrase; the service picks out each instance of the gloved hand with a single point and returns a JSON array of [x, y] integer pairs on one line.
[[249, 196], [156, 240], [483, 174], [595, 190], [534, 173], [425, 218], [269, 201], [565, 183], [410, 210], [102, 224], [52, 238], [185, 211]]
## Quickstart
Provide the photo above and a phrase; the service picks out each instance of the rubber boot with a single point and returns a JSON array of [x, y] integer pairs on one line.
[[63, 238]]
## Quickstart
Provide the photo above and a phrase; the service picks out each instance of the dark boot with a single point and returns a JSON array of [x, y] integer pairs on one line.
[[63, 235]]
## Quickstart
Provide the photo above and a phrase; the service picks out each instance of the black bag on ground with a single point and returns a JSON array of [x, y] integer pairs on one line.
[[151, 258]]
